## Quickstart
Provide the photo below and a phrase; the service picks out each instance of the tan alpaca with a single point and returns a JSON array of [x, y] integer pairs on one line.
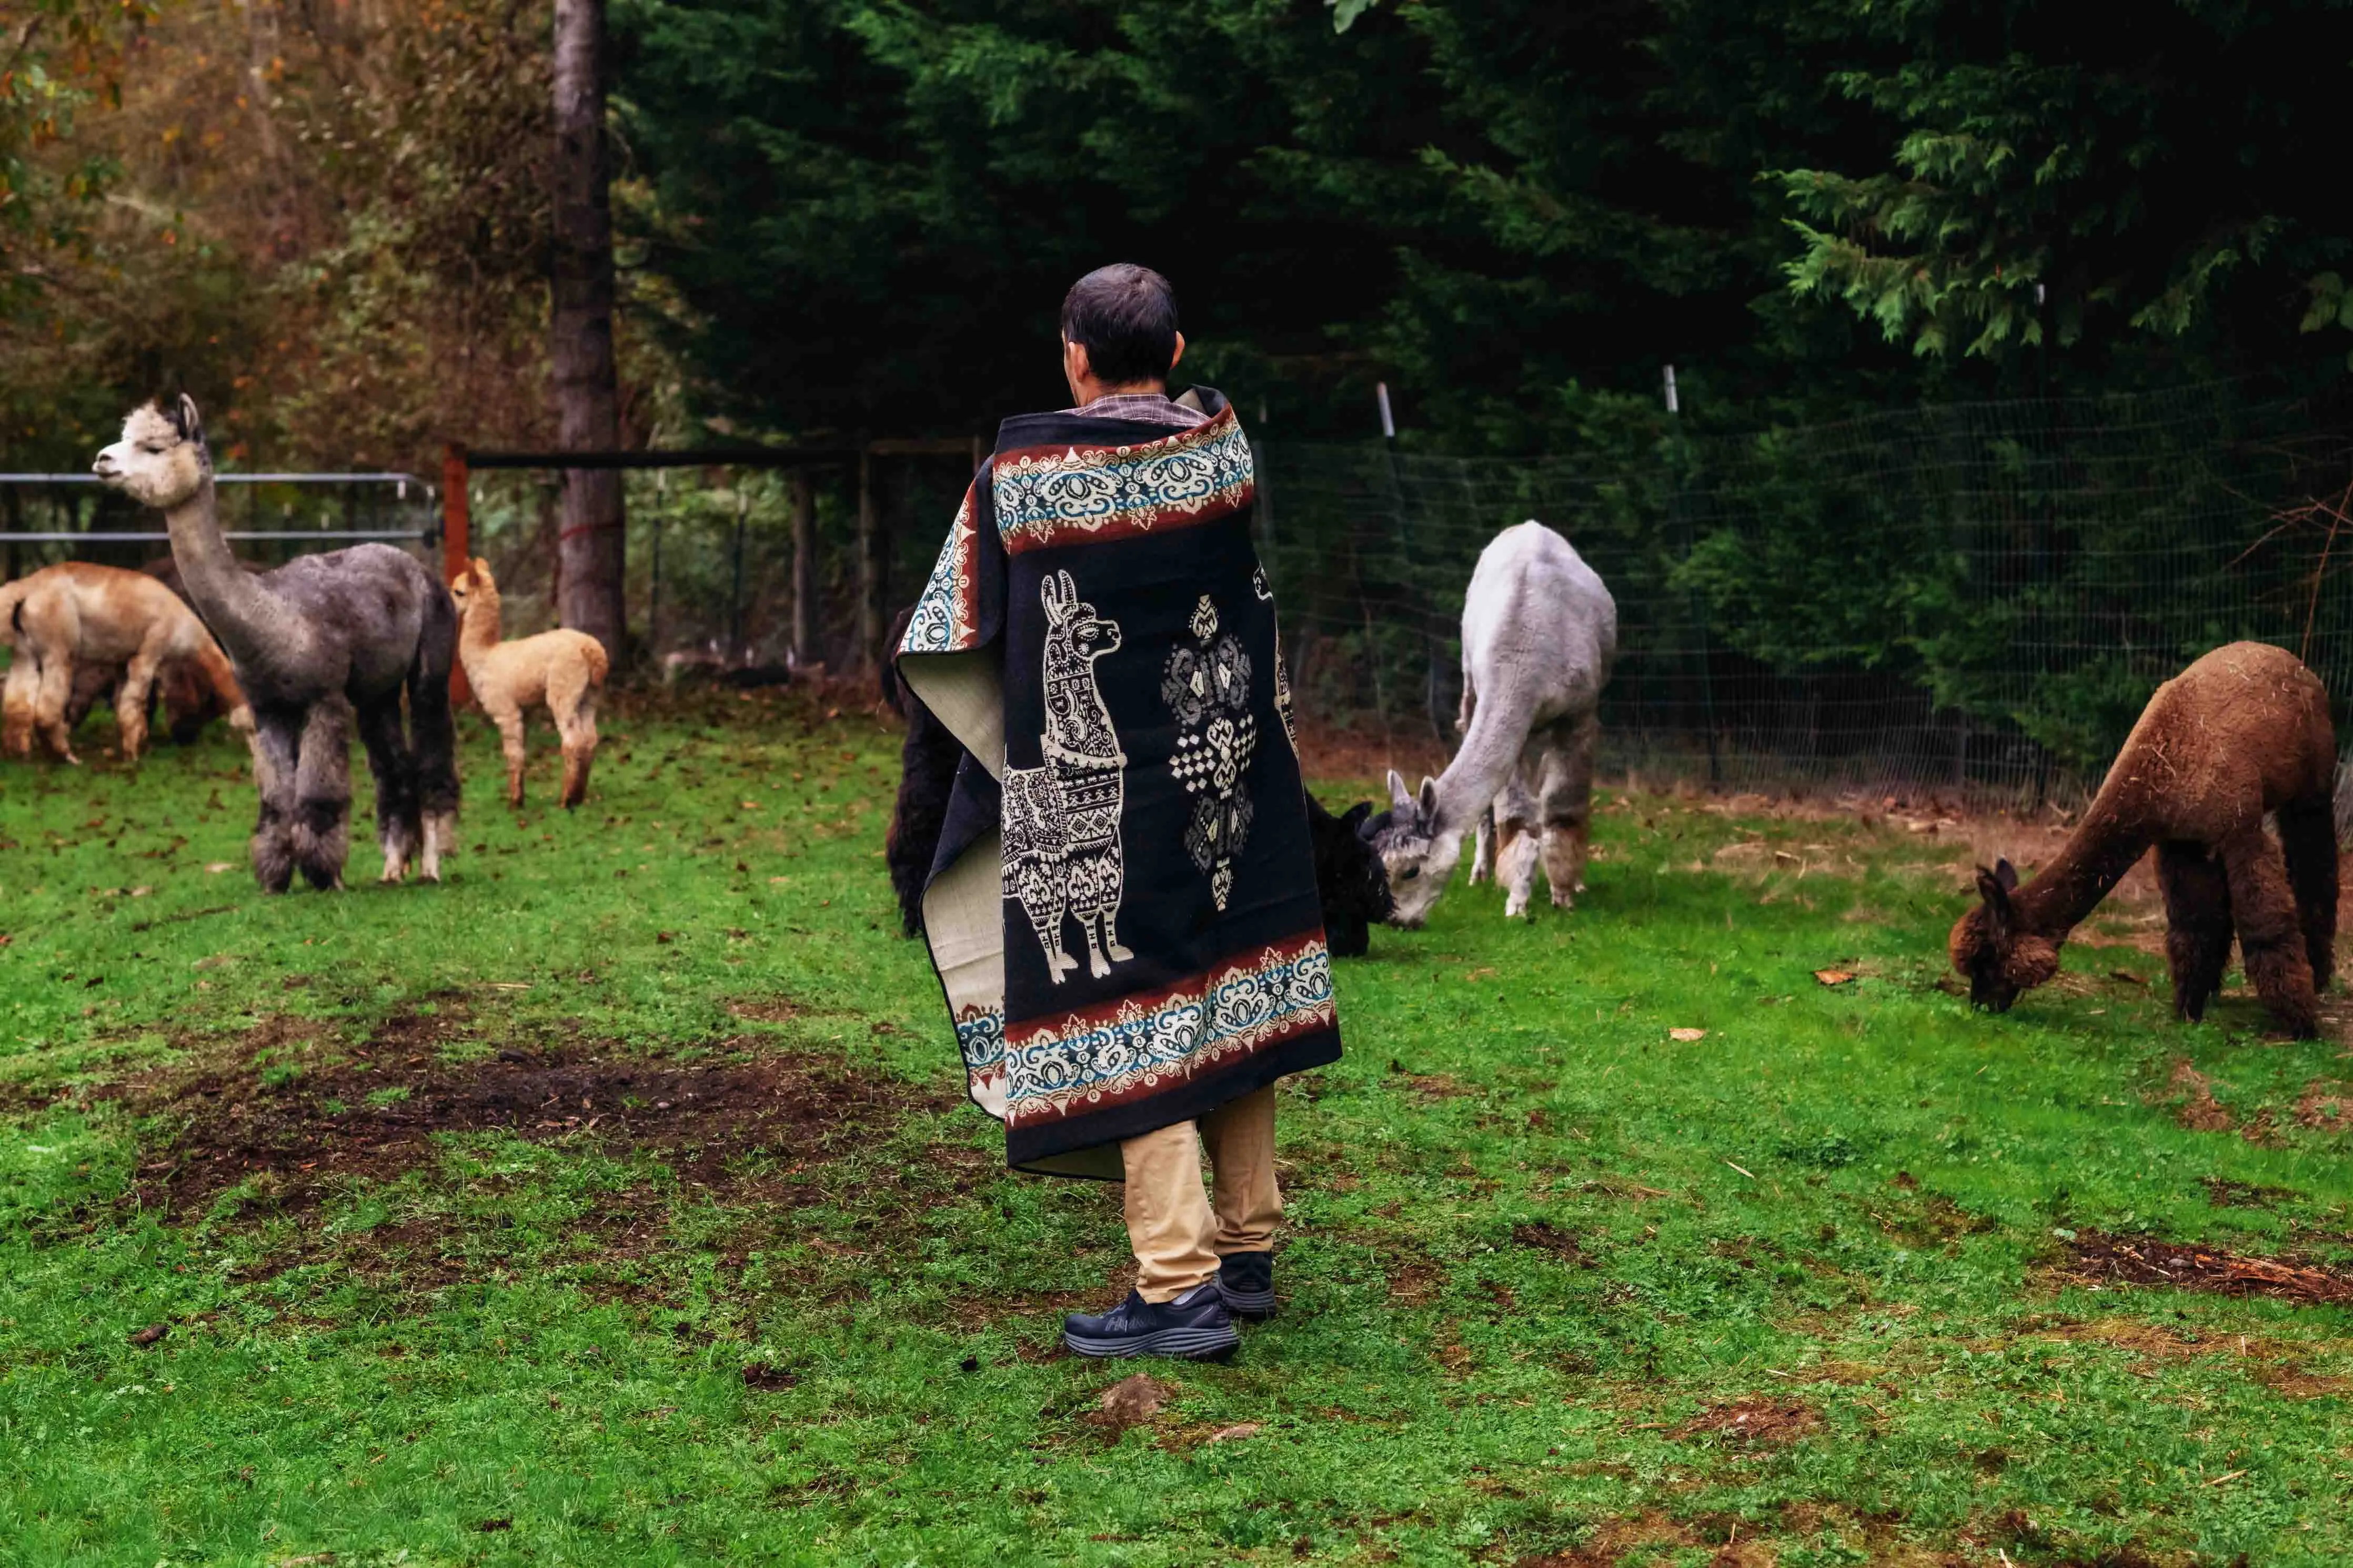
[[564, 670], [68, 621]]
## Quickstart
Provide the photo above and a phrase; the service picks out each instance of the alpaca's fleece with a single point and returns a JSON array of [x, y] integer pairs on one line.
[[1539, 634], [928, 760], [80, 632], [2243, 733], [562, 672]]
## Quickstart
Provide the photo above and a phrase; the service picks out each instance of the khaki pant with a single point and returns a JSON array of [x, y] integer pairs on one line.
[[1176, 1234]]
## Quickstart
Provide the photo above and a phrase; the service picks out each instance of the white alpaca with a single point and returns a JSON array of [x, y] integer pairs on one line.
[[1539, 631]]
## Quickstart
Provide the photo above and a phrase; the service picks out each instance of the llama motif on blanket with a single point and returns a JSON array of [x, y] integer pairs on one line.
[[1062, 820]]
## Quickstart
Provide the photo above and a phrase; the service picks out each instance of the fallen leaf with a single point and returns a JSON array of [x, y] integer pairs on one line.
[[1833, 976], [1476, 974], [1686, 1034], [216, 867], [141, 892], [1233, 1434], [151, 1333]]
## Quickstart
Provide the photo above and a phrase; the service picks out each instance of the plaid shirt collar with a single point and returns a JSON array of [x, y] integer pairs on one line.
[[1151, 407]]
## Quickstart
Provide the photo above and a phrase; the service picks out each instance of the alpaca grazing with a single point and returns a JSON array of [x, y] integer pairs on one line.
[[1539, 631], [562, 670], [2242, 732], [1350, 880], [80, 631], [314, 642]]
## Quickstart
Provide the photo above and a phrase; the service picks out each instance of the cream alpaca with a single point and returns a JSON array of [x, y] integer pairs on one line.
[[563, 670]]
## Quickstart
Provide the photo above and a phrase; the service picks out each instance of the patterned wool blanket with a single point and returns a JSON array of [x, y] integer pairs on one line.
[[1123, 909]]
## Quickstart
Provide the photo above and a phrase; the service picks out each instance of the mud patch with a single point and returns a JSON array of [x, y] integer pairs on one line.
[[1545, 1236], [299, 1119], [1753, 1420], [2115, 1260]]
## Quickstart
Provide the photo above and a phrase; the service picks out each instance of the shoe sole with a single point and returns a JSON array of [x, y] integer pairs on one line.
[[1248, 1304], [1180, 1344]]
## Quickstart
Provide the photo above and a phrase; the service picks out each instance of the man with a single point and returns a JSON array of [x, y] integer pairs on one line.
[[1123, 907]]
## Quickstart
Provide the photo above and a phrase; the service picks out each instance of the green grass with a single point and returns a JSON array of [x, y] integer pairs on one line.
[[1541, 1255]]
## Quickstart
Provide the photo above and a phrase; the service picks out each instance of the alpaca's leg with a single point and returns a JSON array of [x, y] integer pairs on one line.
[[18, 698], [433, 746], [277, 746], [1564, 803], [2308, 835], [2197, 923], [1114, 872], [322, 793], [1515, 844], [513, 746], [397, 826], [1483, 851], [49, 705], [2270, 940], [131, 697], [574, 703]]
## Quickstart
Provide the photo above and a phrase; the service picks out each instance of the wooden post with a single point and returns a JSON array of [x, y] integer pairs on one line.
[[871, 585], [804, 569], [457, 544]]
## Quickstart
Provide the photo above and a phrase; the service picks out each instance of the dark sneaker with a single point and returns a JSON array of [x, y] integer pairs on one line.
[[1246, 1280], [1193, 1327]]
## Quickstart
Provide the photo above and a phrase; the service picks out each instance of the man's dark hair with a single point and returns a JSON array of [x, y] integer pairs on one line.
[[1126, 317]]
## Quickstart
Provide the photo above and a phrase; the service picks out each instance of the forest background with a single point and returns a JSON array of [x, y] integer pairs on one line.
[[331, 221]]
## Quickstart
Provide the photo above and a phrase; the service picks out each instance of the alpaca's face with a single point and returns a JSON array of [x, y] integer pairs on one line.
[[1418, 854], [161, 460], [1999, 960], [1091, 638]]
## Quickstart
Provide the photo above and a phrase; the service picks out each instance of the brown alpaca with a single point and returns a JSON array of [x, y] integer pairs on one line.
[[563, 669], [68, 621], [2242, 732]]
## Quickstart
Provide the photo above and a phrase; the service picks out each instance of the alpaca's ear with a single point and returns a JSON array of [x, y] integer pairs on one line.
[[1996, 896], [2006, 875], [1400, 797], [1354, 818], [191, 423], [1428, 802]]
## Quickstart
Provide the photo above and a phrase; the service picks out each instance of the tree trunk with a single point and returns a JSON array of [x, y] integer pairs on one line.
[[873, 584], [804, 569], [589, 547]]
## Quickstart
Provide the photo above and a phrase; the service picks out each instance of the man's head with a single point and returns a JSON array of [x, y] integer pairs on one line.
[[1119, 332]]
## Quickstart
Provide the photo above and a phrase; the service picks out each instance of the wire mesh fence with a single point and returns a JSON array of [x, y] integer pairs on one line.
[[1977, 598]]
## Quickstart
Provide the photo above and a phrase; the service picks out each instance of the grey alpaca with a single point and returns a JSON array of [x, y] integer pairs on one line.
[[1539, 633], [316, 642]]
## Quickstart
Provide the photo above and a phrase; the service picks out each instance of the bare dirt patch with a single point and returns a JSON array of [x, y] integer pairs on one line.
[[305, 1118], [2135, 1260], [1753, 1420], [1546, 1236], [2325, 1106], [2200, 1110]]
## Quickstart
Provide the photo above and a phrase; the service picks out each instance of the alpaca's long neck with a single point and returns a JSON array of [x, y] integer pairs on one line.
[[1490, 749], [253, 626], [2087, 870], [478, 630]]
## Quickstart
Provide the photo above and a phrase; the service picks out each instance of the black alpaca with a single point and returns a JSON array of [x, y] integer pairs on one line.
[[927, 769]]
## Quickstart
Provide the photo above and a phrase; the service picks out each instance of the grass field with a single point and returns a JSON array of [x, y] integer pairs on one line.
[[616, 1203]]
